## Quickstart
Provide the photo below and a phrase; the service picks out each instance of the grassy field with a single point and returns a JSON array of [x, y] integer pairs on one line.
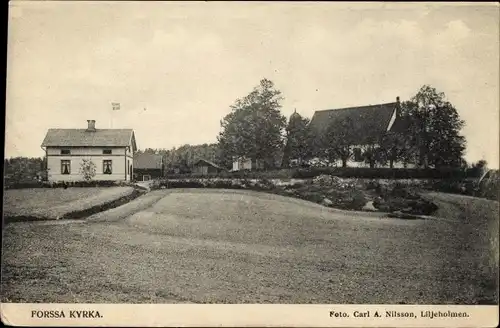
[[479, 221], [53, 202], [214, 246]]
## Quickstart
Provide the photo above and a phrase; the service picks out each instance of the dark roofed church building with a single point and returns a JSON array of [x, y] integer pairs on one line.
[[368, 125]]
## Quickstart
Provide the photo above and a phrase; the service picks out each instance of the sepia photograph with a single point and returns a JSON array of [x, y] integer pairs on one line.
[[251, 153]]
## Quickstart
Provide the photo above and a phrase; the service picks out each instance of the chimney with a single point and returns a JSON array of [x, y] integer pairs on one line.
[[91, 126]]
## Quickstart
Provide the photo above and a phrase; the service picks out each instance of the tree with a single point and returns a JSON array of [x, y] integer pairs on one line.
[[19, 169], [435, 129], [297, 139], [255, 126], [87, 169], [395, 147], [338, 140], [481, 164], [372, 154]]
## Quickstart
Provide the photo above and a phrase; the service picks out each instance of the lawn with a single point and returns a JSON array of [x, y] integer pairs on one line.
[[479, 221], [50, 203], [220, 246]]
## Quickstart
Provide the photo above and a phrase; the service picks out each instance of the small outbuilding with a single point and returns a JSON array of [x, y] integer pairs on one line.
[[203, 166], [148, 166]]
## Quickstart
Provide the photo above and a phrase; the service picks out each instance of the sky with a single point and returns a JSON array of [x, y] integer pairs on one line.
[[175, 68]]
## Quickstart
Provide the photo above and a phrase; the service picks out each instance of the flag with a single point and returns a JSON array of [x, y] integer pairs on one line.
[[116, 106]]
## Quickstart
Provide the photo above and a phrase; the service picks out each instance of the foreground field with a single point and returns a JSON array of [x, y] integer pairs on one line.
[[214, 246], [50, 203]]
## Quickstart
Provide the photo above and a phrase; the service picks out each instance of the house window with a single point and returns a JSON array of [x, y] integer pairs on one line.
[[65, 152], [107, 166], [106, 151], [358, 157], [65, 166]]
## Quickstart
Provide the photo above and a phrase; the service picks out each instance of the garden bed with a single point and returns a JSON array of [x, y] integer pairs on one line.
[[330, 191]]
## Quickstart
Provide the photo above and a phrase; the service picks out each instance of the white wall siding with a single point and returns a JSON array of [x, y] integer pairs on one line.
[[120, 160], [246, 164], [86, 150], [242, 164]]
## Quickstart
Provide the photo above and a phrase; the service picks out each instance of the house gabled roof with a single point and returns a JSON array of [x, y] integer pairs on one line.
[[85, 138], [148, 161], [370, 121], [201, 160]]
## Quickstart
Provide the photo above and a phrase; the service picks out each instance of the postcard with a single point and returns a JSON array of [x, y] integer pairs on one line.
[[249, 164]]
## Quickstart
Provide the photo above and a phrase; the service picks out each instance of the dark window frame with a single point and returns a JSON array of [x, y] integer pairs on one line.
[[107, 166], [107, 151], [65, 163], [65, 151]]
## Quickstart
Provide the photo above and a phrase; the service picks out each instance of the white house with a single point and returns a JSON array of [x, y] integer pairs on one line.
[[111, 150]]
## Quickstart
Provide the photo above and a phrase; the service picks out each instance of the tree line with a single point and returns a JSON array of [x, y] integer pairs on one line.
[[256, 129]]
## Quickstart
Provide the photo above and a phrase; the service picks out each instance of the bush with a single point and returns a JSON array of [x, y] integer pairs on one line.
[[65, 184], [358, 200], [245, 174], [373, 185], [489, 187], [455, 186], [24, 185], [383, 173]]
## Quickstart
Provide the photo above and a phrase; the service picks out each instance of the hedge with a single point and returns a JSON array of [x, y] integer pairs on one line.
[[262, 184], [81, 184], [386, 173], [244, 174], [344, 172]]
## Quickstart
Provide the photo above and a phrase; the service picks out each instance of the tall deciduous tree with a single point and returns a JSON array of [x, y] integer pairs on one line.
[[372, 154], [435, 128], [297, 139], [396, 147], [254, 128], [338, 140]]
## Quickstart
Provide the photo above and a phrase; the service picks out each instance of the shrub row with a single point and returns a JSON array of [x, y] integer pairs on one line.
[[82, 184], [398, 188], [244, 174], [344, 172], [386, 173], [262, 184]]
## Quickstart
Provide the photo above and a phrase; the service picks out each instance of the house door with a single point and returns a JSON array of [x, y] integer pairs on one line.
[[146, 177], [130, 172]]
